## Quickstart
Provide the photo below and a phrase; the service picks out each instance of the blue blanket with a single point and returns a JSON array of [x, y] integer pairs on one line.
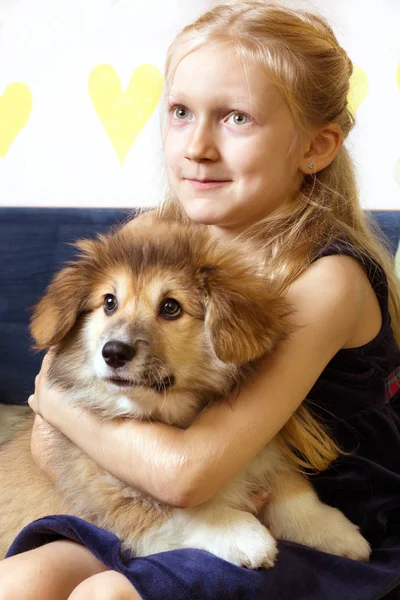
[[301, 573]]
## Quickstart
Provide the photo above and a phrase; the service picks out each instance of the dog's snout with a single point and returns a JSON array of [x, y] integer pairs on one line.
[[116, 354]]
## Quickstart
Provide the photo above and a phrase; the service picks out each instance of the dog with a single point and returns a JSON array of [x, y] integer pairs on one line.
[[157, 324]]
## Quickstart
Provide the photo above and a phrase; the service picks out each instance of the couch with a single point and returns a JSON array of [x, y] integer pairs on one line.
[[34, 243]]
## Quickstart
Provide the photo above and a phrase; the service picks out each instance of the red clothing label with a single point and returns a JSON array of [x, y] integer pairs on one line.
[[392, 385]]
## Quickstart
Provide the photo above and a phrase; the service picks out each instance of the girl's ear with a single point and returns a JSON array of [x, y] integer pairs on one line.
[[321, 148], [56, 313], [245, 318]]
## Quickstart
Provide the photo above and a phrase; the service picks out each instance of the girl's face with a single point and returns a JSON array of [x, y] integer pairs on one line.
[[227, 141]]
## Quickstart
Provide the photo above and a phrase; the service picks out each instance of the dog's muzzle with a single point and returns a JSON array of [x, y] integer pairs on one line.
[[116, 354]]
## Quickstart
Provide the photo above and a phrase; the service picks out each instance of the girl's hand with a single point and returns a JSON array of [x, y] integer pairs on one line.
[[42, 446], [43, 398], [42, 432]]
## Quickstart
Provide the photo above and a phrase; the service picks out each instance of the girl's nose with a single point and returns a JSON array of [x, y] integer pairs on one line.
[[201, 144]]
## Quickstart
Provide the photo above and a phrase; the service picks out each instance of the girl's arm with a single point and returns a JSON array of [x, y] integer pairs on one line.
[[186, 467]]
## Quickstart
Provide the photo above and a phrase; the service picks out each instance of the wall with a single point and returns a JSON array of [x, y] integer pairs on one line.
[[64, 63]]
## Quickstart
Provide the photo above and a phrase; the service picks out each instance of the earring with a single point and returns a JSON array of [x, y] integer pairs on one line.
[[310, 165]]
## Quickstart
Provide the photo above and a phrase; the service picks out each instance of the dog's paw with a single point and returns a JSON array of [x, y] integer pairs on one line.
[[330, 531], [237, 537], [338, 535]]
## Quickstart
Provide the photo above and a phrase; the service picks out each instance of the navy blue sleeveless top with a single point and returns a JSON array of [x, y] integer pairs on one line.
[[358, 397]]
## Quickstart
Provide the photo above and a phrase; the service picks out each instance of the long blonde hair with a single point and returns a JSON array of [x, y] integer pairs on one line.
[[303, 58]]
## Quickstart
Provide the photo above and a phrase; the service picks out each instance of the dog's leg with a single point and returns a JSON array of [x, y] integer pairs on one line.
[[234, 535], [25, 492], [295, 513], [147, 527], [80, 488]]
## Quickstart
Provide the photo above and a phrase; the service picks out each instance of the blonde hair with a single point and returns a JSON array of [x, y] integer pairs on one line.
[[303, 58]]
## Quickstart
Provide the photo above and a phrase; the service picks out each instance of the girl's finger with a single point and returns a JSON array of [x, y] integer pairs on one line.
[[46, 363], [39, 424], [33, 403], [47, 358]]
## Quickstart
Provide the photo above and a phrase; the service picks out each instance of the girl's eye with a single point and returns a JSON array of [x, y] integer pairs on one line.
[[170, 309], [239, 119], [110, 304], [180, 112]]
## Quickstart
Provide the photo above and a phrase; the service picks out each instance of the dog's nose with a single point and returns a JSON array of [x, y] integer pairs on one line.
[[116, 354]]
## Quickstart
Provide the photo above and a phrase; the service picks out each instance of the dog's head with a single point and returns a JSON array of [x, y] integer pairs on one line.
[[158, 310]]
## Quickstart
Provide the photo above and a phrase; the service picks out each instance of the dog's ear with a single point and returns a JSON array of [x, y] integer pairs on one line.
[[245, 316], [56, 313]]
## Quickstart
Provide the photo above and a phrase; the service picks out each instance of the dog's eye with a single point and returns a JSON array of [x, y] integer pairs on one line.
[[110, 303], [170, 309]]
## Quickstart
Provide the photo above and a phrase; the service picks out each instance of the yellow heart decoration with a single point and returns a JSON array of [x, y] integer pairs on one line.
[[15, 108], [358, 89], [398, 76], [124, 114]]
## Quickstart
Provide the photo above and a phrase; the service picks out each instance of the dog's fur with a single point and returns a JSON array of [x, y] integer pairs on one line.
[[173, 367]]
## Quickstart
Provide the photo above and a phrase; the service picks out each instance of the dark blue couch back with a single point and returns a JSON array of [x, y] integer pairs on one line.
[[33, 246]]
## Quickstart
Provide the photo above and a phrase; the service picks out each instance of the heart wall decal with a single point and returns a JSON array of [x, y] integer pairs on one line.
[[124, 114], [358, 89], [15, 108]]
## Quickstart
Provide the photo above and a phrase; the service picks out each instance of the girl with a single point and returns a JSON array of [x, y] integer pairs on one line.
[[253, 141]]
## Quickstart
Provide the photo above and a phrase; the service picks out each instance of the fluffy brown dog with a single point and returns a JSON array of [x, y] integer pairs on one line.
[[158, 324]]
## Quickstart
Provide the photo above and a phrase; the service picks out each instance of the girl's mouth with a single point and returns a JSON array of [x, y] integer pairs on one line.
[[205, 185]]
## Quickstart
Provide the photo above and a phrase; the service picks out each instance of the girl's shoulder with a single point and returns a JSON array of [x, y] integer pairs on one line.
[[375, 282], [343, 275], [147, 217], [336, 287]]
